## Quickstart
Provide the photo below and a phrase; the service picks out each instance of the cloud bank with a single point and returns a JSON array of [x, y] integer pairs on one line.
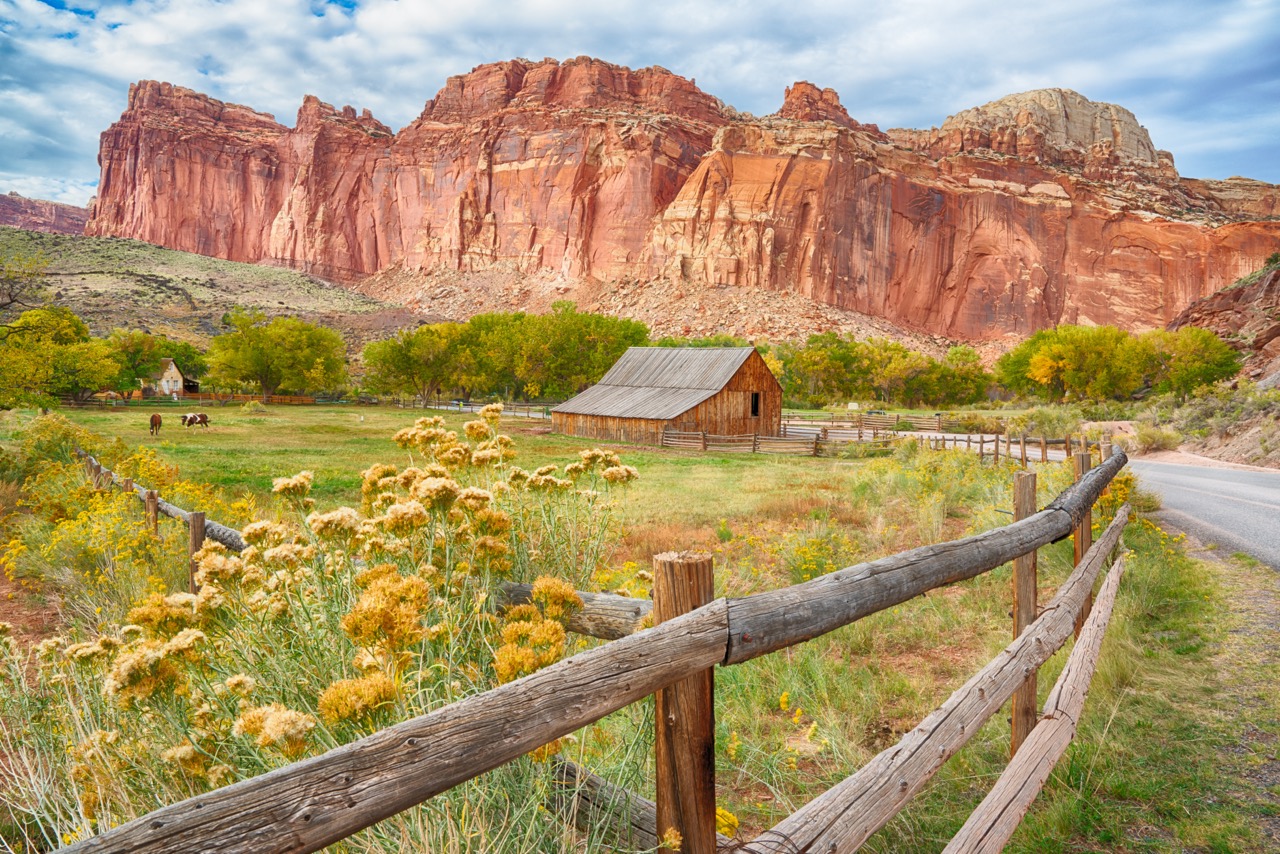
[[1203, 77]]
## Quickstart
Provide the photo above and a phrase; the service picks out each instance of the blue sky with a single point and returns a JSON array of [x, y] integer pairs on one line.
[[1202, 75]]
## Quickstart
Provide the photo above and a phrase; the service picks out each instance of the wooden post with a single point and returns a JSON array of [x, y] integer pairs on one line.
[[1104, 448], [704, 440], [1024, 609], [196, 525], [152, 502], [968, 441], [755, 443], [1044, 450], [997, 447], [1008, 444], [685, 741], [816, 438], [1067, 444], [1022, 449], [1082, 536], [126, 486]]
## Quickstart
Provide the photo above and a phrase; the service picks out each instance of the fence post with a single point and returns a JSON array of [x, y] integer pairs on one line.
[[817, 437], [1024, 609], [968, 441], [196, 524], [755, 443], [1022, 449], [997, 447], [704, 440], [684, 746], [1082, 536], [1044, 450], [152, 502], [126, 485], [1104, 448], [1067, 444]]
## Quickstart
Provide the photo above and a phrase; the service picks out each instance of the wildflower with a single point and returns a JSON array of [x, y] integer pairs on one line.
[[474, 498], [726, 822], [165, 615], [455, 456], [186, 757], [784, 700], [546, 751], [574, 470], [241, 684], [183, 644], [408, 477], [671, 840], [336, 524], [517, 477], [477, 430], [83, 652], [732, 746], [544, 471], [356, 699], [620, 474], [297, 486], [139, 672], [388, 612], [276, 726], [556, 597], [403, 518], [6, 629], [438, 492], [263, 533], [487, 456], [491, 412]]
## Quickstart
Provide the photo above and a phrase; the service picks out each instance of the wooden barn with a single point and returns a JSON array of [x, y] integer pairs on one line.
[[720, 390]]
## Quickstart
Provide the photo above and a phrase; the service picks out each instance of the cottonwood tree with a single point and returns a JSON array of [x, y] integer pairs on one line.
[[284, 352], [416, 362], [46, 354]]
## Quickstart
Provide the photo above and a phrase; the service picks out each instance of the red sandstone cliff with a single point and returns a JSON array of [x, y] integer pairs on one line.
[[1247, 315], [36, 215], [1033, 210]]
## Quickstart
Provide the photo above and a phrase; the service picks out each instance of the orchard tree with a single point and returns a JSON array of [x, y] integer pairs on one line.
[[284, 352], [1189, 358], [415, 362], [46, 354]]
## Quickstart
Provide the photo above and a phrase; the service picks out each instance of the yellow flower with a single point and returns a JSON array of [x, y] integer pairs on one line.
[[726, 822], [671, 839], [298, 485], [335, 524], [241, 684], [356, 699], [784, 701], [734, 743]]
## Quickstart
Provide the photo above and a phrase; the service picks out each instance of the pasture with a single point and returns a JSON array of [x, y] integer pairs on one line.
[[1151, 769]]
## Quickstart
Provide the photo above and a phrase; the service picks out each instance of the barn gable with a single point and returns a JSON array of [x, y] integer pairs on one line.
[[717, 389]]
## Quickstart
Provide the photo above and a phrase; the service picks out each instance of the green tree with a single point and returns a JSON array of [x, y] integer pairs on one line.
[[284, 352], [1189, 358], [46, 354], [189, 358], [137, 355], [1078, 363], [415, 362], [563, 352]]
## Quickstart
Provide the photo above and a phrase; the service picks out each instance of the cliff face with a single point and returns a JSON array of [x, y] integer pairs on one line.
[[1247, 315], [36, 215], [1037, 209]]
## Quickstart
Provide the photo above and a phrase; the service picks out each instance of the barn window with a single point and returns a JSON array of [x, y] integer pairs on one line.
[[755, 404]]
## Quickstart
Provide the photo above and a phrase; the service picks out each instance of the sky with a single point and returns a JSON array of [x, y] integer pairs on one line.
[[1203, 76]]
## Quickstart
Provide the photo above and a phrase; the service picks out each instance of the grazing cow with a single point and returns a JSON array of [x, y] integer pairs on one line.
[[155, 424], [191, 419]]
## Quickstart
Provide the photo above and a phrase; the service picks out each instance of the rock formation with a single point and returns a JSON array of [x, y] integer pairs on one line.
[[1245, 314], [35, 215], [1033, 210]]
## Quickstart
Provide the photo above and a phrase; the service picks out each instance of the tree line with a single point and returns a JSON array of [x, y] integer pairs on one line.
[[46, 352]]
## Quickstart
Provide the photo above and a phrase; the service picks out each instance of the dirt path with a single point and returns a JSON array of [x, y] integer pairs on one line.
[[32, 619]]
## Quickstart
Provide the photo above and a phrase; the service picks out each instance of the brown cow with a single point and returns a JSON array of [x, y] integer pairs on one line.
[[155, 424]]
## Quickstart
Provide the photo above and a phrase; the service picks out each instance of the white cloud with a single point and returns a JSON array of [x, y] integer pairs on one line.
[[1196, 74]]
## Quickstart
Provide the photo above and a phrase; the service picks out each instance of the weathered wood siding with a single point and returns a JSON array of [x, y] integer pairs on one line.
[[727, 412]]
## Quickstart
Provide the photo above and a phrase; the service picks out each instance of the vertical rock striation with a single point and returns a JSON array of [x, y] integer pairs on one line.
[[1037, 209]]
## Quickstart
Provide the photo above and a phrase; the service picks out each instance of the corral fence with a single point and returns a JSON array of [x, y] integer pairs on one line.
[[324, 799], [812, 444]]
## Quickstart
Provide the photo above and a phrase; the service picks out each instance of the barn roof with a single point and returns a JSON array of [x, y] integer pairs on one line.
[[659, 382]]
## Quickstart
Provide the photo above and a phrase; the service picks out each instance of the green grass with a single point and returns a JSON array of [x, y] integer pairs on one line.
[[1156, 765]]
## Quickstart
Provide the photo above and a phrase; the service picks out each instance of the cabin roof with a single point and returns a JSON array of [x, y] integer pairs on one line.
[[659, 382]]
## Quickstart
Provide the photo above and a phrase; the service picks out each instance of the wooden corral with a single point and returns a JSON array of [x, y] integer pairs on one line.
[[722, 390]]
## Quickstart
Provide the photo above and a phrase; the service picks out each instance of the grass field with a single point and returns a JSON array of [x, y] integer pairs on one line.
[[1182, 712]]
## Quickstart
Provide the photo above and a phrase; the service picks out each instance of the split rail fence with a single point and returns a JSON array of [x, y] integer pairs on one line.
[[324, 799]]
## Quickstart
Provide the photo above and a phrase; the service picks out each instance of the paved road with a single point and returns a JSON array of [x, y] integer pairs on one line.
[[1236, 509]]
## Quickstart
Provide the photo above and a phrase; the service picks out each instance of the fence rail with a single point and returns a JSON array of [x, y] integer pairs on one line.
[[323, 799]]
